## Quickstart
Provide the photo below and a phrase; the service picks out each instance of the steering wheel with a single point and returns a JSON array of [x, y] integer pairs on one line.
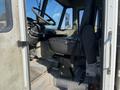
[[41, 20]]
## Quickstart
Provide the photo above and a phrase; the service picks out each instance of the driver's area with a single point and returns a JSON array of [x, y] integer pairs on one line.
[[62, 43]]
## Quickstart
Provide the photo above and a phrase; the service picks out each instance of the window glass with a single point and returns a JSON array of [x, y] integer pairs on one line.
[[81, 12], [5, 15], [3, 22], [54, 10], [68, 19], [96, 22], [30, 4]]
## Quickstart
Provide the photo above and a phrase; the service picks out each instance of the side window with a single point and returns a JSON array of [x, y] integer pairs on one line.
[[68, 19], [97, 22], [5, 15], [81, 12]]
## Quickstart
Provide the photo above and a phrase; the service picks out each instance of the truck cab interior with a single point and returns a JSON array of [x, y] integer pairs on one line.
[[65, 39]]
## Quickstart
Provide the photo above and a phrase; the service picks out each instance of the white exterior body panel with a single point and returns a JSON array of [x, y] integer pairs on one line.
[[13, 59], [110, 40]]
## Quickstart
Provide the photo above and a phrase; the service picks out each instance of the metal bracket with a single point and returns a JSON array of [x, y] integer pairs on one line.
[[22, 44]]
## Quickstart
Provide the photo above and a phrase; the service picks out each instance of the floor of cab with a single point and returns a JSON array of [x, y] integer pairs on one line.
[[42, 80]]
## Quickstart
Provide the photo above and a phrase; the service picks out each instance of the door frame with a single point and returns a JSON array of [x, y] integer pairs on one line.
[[23, 34], [110, 44]]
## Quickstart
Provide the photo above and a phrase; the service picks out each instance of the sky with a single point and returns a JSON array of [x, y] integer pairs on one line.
[[29, 5], [2, 6], [2, 10]]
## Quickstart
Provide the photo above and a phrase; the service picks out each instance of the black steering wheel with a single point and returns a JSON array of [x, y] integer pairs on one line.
[[41, 20]]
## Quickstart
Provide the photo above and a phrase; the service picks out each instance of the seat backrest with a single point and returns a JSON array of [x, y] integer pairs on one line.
[[87, 34]]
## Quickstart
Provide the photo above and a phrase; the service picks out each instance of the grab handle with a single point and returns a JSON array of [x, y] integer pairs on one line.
[[108, 55]]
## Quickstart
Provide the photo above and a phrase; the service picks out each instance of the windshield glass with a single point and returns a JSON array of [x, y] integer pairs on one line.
[[30, 4], [68, 19], [54, 10]]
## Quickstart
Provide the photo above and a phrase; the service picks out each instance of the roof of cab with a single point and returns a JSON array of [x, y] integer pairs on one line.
[[77, 3], [72, 3]]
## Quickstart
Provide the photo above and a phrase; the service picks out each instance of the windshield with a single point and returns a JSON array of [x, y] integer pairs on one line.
[[54, 10], [30, 4]]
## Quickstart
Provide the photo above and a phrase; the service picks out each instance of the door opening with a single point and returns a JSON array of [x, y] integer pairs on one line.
[[66, 44]]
